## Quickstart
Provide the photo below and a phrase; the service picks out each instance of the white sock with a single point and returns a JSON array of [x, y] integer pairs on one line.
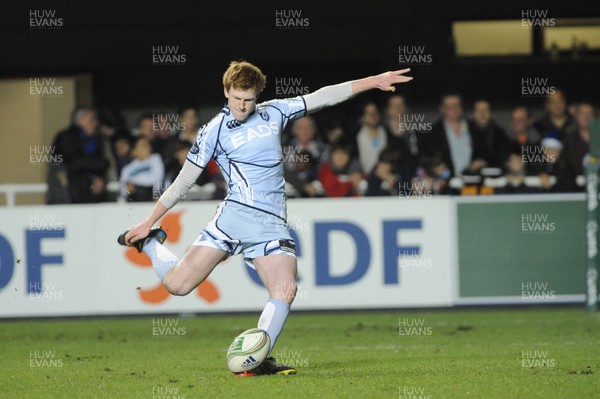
[[162, 259], [273, 318]]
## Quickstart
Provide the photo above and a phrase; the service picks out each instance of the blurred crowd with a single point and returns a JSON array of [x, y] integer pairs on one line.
[[391, 152]]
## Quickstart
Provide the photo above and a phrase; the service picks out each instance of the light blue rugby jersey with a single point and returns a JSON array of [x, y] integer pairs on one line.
[[249, 153]]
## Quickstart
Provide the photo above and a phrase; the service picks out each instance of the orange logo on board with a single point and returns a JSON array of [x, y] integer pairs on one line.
[[158, 294]]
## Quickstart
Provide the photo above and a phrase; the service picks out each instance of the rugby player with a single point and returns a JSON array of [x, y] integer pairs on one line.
[[244, 138]]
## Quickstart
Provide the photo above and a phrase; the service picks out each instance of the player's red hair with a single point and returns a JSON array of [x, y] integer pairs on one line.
[[242, 75]]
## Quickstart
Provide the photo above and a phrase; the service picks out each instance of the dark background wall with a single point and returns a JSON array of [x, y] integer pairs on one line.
[[113, 41]]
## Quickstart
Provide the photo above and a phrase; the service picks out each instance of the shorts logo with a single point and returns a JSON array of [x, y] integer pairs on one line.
[[287, 246]]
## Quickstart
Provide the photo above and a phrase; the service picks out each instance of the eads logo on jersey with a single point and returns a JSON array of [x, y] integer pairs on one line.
[[158, 294], [258, 131]]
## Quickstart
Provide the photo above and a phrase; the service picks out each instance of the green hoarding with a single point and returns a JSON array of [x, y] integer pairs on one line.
[[522, 246]]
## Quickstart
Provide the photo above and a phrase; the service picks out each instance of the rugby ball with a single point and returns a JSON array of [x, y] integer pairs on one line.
[[248, 350]]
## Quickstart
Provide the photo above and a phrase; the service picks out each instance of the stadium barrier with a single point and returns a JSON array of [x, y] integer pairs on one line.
[[353, 253], [11, 191], [459, 185]]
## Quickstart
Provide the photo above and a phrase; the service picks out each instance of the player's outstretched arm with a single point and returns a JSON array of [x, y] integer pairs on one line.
[[331, 95], [384, 81], [182, 184]]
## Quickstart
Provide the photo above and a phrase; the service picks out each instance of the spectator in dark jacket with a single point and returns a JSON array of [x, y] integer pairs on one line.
[[451, 138], [491, 141], [515, 173], [83, 157], [403, 129], [432, 176], [556, 120], [385, 177], [577, 145], [122, 146], [521, 127], [301, 175]]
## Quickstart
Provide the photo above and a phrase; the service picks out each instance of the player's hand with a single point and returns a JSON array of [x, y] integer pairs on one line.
[[387, 80], [138, 232]]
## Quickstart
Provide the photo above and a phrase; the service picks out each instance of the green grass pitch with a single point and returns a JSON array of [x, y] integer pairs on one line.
[[484, 353]]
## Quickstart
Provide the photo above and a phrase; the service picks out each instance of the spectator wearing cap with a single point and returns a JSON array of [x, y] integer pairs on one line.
[[548, 162]]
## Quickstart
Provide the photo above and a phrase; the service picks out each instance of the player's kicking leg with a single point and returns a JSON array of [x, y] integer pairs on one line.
[[179, 277], [278, 273]]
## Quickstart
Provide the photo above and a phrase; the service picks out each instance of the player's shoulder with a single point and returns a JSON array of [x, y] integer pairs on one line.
[[283, 105], [280, 102], [213, 126]]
